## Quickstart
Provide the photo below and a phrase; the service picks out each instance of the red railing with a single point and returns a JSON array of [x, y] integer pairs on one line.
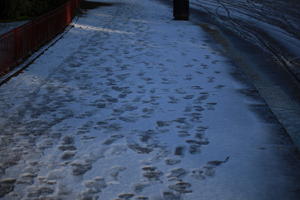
[[19, 43]]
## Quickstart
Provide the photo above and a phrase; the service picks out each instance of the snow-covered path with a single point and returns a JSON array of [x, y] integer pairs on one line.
[[131, 105]]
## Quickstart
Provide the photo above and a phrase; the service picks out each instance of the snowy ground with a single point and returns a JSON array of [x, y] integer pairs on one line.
[[132, 105], [271, 25], [6, 27]]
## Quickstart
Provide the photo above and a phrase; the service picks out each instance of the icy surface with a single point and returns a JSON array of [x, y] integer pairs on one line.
[[132, 105]]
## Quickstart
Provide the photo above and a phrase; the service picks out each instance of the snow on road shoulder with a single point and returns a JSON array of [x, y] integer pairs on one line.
[[133, 105]]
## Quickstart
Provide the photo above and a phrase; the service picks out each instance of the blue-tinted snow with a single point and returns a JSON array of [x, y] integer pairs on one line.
[[133, 105]]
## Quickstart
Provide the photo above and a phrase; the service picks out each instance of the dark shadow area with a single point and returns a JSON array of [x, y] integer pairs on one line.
[[19, 10], [88, 5]]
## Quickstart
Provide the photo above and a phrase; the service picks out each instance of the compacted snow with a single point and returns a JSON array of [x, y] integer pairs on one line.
[[131, 105]]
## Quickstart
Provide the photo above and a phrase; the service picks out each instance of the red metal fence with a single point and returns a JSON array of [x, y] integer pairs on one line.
[[18, 44]]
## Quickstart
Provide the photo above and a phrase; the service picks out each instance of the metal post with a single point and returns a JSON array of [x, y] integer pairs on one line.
[[181, 9]]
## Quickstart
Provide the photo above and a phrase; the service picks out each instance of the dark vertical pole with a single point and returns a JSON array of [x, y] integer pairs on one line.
[[181, 9]]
